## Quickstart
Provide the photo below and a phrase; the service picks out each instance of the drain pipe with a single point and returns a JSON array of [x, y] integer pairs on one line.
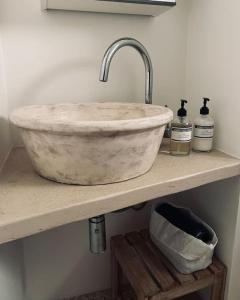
[[97, 229], [97, 234]]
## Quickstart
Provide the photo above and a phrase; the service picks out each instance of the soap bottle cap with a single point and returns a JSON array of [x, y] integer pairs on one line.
[[182, 112], [205, 110]]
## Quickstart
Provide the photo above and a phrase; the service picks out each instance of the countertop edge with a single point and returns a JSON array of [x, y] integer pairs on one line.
[[29, 226]]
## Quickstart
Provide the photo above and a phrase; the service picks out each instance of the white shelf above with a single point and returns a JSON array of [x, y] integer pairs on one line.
[[134, 7], [30, 204]]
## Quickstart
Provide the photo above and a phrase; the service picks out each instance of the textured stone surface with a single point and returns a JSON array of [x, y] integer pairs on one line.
[[30, 204], [92, 144]]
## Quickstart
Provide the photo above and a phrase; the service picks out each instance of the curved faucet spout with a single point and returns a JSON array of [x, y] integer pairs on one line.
[[146, 59]]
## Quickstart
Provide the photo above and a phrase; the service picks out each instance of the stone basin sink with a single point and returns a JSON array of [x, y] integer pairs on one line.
[[94, 143]]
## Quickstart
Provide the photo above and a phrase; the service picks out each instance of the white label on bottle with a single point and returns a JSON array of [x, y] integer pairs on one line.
[[203, 131], [181, 134]]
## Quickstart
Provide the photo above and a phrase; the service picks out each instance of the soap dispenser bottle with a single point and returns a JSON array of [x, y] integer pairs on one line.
[[181, 132], [165, 145], [203, 129]]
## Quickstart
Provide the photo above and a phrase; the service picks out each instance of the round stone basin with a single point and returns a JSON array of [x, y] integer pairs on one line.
[[93, 143]]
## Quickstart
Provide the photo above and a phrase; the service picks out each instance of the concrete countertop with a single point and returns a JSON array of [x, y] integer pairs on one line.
[[30, 204]]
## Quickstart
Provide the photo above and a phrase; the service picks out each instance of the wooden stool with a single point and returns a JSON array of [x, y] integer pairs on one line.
[[152, 276]]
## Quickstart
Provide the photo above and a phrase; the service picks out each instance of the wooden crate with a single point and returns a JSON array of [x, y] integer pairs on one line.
[[152, 276], [106, 295]]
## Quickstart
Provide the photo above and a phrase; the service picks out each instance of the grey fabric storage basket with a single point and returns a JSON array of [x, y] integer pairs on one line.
[[187, 253]]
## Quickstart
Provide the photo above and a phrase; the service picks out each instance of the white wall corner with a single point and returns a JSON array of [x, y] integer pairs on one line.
[[5, 135], [44, 4]]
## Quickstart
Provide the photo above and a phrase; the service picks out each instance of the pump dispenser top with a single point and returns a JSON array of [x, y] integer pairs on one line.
[[205, 110], [182, 112]]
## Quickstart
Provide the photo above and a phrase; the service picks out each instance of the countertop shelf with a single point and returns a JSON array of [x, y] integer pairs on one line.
[[30, 204]]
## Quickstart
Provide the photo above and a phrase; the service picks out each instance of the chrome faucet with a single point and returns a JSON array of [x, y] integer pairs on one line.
[[146, 59]]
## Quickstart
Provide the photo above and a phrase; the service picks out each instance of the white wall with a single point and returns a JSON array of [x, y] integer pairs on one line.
[[11, 258], [55, 57], [213, 70], [4, 126], [11, 271], [58, 262], [213, 66]]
